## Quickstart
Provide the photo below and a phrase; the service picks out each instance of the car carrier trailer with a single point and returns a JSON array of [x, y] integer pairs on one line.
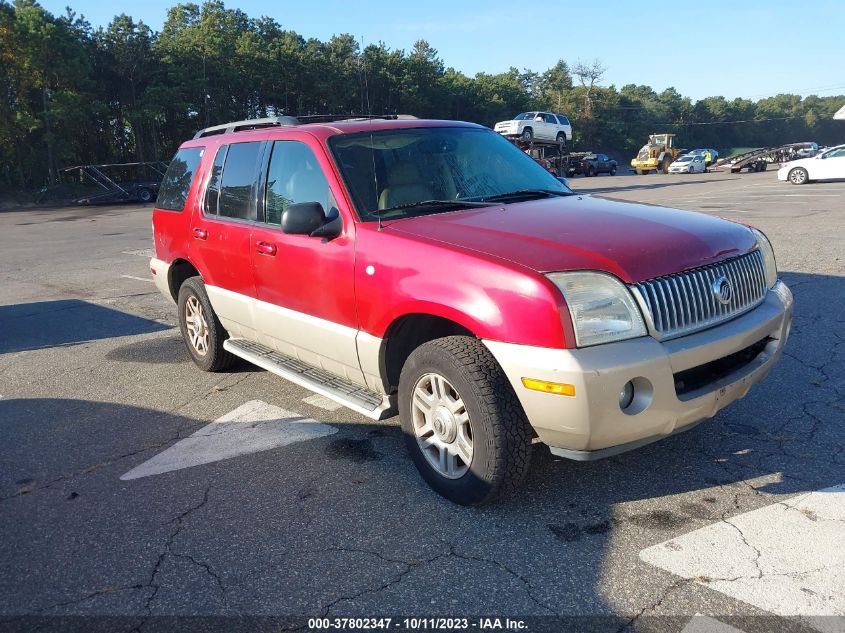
[[118, 182], [759, 159]]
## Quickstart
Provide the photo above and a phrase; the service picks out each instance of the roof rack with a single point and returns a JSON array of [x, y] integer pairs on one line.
[[248, 124], [257, 124]]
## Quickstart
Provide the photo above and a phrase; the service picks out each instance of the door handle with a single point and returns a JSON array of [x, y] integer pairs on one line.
[[266, 248], [200, 234]]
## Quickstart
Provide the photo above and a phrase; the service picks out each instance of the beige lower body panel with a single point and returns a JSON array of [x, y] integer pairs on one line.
[[161, 271], [323, 344], [592, 420]]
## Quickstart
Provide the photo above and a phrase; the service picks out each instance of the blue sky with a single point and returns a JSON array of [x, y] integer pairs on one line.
[[739, 48]]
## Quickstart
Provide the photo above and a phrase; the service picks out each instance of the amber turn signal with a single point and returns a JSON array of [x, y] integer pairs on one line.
[[557, 388]]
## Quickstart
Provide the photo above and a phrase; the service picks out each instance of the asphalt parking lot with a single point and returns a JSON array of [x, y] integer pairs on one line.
[[95, 383]]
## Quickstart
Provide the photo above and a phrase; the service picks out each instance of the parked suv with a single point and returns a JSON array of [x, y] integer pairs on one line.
[[541, 126], [431, 268]]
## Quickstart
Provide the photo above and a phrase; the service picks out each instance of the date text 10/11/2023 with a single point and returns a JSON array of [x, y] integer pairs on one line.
[[417, 624]]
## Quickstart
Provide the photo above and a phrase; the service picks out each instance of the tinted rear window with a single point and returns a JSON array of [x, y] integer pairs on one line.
[[177, 181]]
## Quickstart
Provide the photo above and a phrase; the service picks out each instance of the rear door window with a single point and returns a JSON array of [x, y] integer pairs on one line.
[[212, 192], [236, 186], [177, 181]]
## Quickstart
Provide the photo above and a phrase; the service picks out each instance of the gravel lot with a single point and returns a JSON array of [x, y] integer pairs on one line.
[[95, 381]]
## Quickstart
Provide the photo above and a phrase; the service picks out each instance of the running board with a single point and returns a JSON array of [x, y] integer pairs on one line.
[[342, 391]]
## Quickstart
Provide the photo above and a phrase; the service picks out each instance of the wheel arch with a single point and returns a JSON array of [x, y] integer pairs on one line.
[[406, 333], [180, 270]]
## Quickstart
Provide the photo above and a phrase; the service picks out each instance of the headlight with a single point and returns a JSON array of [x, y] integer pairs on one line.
[[768, 258], [601, 307]]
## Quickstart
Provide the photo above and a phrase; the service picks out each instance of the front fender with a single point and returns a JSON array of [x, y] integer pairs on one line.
[[396, 275]]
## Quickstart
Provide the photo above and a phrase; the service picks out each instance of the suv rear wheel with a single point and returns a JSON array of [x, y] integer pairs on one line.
[[561, 140], [201, 330], [463, 424]]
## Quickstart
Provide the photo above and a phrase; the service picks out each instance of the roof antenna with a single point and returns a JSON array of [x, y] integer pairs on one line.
[[370, 119]]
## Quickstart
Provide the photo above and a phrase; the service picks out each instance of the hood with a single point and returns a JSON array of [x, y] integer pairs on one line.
[[632, 241]]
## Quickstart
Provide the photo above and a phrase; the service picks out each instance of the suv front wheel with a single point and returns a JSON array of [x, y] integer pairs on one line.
[[463, 424], [201, 330]]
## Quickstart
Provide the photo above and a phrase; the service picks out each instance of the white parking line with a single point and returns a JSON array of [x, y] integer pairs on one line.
[[252, 427], [786, 558], [140, 252], [138, 278], [322, 402]]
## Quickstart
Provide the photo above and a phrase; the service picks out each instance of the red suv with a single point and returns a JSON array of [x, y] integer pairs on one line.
[[431, 268]]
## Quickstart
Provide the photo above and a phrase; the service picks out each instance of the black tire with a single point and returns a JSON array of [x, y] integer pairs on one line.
[[798, 176], [612, 171], [561, 141], [145, 195], [500, 433], [590, 171], [527, 135], [215, 357], [664, 166]]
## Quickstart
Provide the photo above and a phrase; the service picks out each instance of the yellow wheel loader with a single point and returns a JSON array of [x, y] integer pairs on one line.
[[657, 154]]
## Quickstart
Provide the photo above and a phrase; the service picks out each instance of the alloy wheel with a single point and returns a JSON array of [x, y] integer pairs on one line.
[[197, 325], [442, 426]]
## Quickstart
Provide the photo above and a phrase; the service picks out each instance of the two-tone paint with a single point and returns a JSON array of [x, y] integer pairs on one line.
[[332, 303]]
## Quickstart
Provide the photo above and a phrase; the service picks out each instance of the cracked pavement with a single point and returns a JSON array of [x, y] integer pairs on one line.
[[94, 381]]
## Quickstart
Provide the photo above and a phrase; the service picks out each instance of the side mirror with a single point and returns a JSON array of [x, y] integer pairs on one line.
[[303, 218]]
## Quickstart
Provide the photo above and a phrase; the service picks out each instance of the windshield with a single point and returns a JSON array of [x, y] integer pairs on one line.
[[684, 159], [658, 139], [524, 116], [400, 169]]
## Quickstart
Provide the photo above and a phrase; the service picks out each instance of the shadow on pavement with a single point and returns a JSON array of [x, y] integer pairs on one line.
[[27, 326], [646, 185], [343, 525]]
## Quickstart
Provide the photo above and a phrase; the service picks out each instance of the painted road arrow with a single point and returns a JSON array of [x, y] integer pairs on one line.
[[251, 428], [786, 558]]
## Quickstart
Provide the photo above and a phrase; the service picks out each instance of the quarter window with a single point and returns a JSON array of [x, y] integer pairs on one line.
[[177, 181], [294, 176]]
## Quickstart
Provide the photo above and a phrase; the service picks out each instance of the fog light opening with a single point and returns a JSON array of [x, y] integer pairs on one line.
[[636, 396], [626, 396]]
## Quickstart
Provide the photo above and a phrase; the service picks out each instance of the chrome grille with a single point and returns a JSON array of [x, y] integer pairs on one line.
[[685, 302]]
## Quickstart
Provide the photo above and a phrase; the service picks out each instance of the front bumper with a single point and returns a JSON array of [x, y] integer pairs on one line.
[[510, 131], [591, 424]]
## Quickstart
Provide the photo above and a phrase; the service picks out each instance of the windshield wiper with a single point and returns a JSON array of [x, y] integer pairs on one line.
[[522, 193], [443, 204]]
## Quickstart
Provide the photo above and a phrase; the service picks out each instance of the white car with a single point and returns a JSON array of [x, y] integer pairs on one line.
[[541, 126], [825, 165], [688, 164]]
